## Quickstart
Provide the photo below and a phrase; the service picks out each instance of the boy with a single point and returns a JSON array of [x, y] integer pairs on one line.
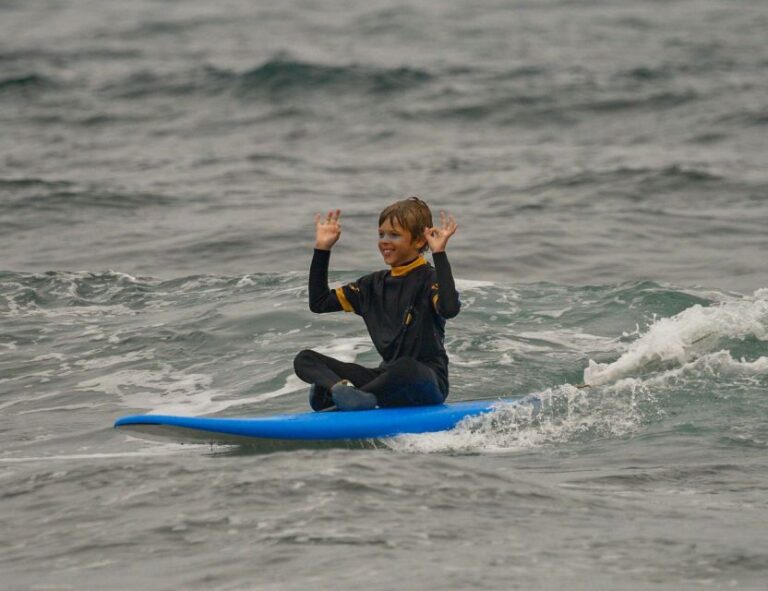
[[404, 309]]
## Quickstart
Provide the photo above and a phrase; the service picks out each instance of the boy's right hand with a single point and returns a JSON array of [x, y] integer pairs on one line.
[[327, 229]]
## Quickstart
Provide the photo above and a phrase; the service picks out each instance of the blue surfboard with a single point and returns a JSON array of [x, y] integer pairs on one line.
[[334, 426]]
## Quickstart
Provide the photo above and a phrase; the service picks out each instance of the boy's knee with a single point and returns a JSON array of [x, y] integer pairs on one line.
[[303, 357], [405, 364], [407, 368]]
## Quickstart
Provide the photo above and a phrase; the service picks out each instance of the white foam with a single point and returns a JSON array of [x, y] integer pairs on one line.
[[98, 310], [686, 336], [506, 359], [634, 388], [553, 313], [346, 349], [571, 339], [554, 416], [49, 356], [197, 283], [155, 449], [719, 363], [66, 407], [162, 391], [267, 338], [109, 361], [28, 399], [566, 414], [121, 276], [470, 284], [245, 281], [513, 345]]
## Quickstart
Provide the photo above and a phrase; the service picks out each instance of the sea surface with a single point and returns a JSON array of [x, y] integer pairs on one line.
[[160, 166]]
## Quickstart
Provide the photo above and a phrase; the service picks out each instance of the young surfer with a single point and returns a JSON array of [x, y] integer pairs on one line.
[[404, 309]]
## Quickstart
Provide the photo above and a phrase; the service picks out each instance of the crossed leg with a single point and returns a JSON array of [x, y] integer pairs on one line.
[[405, 382]]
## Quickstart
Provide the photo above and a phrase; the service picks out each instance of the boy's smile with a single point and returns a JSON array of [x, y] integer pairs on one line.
[[396, 244]]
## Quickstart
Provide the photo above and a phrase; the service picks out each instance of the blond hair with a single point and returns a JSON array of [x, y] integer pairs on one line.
[[411, 214]]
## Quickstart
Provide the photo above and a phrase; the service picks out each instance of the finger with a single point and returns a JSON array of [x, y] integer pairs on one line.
[[446, 220], [318, 219]]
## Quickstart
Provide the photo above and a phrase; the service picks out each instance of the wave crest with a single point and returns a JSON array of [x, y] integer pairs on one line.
[[694, 331], [287, 76], [277, 77]]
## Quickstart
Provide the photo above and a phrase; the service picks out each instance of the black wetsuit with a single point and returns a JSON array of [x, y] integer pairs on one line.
[[404, 309]]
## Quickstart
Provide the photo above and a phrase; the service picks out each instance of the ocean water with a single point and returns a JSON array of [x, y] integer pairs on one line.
[[160, 164]]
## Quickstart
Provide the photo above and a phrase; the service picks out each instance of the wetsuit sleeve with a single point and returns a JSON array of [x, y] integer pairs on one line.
[[321, 299], [445, 298], [350, 296]]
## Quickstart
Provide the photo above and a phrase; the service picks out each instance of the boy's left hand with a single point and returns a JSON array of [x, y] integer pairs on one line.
[[436, 237]]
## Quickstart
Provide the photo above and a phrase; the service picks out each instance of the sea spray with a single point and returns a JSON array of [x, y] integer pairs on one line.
[[563, 414], [693, 332], [675, 363]]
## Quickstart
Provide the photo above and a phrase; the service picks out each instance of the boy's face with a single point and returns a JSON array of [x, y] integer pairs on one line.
[[396, 244]]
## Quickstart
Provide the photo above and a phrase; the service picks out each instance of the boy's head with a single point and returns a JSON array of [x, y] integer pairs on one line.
[[401, 230]]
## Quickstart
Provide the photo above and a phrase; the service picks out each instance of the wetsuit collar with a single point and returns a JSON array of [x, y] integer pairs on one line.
[[405, 269]]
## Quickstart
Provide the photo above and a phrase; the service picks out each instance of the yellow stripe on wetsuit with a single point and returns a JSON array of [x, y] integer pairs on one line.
[[345, 305]]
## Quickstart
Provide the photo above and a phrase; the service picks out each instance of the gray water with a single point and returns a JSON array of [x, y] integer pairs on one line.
[[160, 164]]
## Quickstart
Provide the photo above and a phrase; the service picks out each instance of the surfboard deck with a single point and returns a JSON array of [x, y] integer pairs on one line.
[[308, 427]]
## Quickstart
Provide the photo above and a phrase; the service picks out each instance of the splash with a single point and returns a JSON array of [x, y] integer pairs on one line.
[[677, 362], [686, 336], [554, 416]]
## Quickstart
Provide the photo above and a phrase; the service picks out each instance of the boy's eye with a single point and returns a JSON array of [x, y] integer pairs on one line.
[[389, 236]]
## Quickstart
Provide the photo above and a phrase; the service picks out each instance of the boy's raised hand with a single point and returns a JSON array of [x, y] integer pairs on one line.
[[437, 237], [327, 229]]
